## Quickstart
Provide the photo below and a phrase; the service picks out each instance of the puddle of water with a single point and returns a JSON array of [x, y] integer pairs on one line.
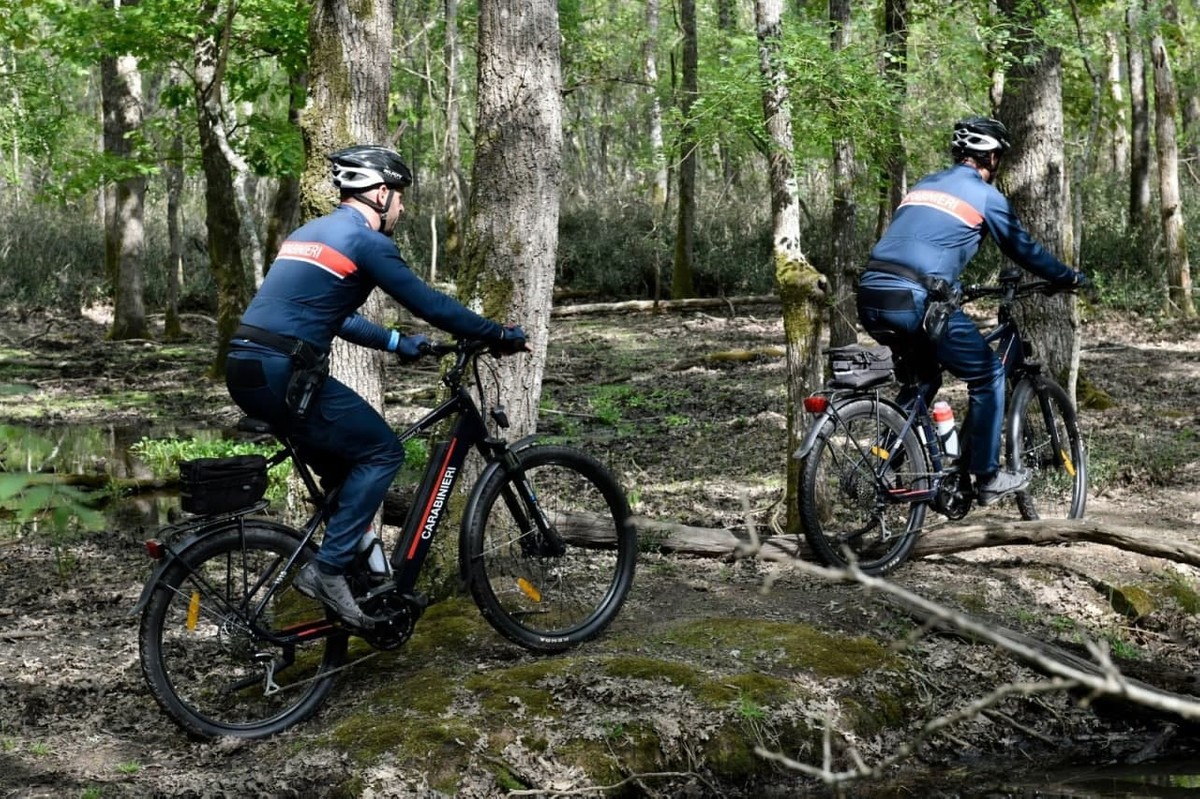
[[1152, 781], [98, 451]]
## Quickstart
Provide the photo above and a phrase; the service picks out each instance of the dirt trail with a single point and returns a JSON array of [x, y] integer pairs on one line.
[[696, 442]]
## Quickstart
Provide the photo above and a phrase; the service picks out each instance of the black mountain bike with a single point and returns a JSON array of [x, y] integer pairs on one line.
[[870, 468], [230, 648]]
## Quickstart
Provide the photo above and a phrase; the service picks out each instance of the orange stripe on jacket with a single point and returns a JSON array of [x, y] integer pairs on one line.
[[317, 254], [941, 201]]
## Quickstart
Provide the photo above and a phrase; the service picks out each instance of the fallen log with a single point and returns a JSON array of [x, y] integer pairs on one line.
[[664, 305], [683, 539]]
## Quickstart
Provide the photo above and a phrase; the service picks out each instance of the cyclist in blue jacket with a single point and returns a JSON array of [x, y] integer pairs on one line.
[[277, 369], [935, 232]]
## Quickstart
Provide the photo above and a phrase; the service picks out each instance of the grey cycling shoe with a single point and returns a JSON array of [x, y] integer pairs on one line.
[[1000, 485], [332, 590]]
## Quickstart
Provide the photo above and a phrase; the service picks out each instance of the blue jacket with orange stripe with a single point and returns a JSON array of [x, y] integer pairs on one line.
[[324, 273], [942, 221]]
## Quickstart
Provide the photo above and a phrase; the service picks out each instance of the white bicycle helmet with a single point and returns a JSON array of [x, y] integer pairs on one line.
[[979, 136], [368, 165]]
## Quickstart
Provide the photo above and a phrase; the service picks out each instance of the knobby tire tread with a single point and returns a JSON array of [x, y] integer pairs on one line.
[[495, 562]]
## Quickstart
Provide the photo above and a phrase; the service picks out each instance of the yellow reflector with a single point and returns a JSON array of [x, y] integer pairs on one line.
[[1067, 464], [193, 611], [880, 452], [528, 589]]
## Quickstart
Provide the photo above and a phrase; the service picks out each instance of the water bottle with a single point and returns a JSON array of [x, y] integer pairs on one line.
[[943, 420], [371, 544]]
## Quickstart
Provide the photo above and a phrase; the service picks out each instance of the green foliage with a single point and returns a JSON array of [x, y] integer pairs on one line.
[[163, 455], [34, 497]]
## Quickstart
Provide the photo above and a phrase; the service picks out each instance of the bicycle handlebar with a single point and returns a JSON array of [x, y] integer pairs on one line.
[[1010, 290]]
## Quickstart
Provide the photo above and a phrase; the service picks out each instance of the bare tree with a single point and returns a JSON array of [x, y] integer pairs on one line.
[[801, 286], [1166, 108]]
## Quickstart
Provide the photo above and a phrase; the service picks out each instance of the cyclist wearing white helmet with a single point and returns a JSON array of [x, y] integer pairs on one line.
[[277, 364], [918, 261]]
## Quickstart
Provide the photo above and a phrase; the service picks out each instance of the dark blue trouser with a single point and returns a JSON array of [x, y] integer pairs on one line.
[[962, 352], [343, 436]]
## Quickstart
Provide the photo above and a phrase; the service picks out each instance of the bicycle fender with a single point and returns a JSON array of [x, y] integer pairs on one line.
[[174, 551], [810, 437]]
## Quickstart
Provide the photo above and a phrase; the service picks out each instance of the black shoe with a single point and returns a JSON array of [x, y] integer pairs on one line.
[[1000, 485], [333, 591]]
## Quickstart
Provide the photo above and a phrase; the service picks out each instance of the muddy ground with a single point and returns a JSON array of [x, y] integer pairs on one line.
[[695, 442]]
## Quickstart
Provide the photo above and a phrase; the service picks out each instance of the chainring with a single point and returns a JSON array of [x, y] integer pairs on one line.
[[954, 495]]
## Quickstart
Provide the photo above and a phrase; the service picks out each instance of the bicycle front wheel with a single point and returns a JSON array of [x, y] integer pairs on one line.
[[851, 483], [1044, 440], [211, 667], [549, 549]]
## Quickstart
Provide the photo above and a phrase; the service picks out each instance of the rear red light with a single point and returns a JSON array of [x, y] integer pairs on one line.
[[816, 404], [155, 549]]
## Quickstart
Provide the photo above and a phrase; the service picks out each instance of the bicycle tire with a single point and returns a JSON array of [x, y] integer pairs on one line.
[[550, 601], [198, 654], [1058, 475], [843, 513]]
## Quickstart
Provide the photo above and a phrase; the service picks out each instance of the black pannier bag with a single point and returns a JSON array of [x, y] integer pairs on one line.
[[220, 485], [855, 366]]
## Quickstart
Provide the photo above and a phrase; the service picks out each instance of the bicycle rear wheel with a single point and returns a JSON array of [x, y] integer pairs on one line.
[[549, 586], [210, 669], [845, 508], [1044, 439]]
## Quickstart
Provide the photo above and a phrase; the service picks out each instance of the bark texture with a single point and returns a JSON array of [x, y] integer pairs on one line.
[[801, 287], [125, 239], [1033, 175], [512, 235]]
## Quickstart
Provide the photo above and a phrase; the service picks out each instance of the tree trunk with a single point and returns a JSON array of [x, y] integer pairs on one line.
[[172, 326], [349, 79], [220, 195], [1034, 177], [121, 87], [895, 177], [657, 177], [1119, 163], [727, 25], [1085, 161], [844, 262], [1139, 136], [1166, 108], [684, 269], [801, 287], [512, 234], [456, 189], [285, 208]]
